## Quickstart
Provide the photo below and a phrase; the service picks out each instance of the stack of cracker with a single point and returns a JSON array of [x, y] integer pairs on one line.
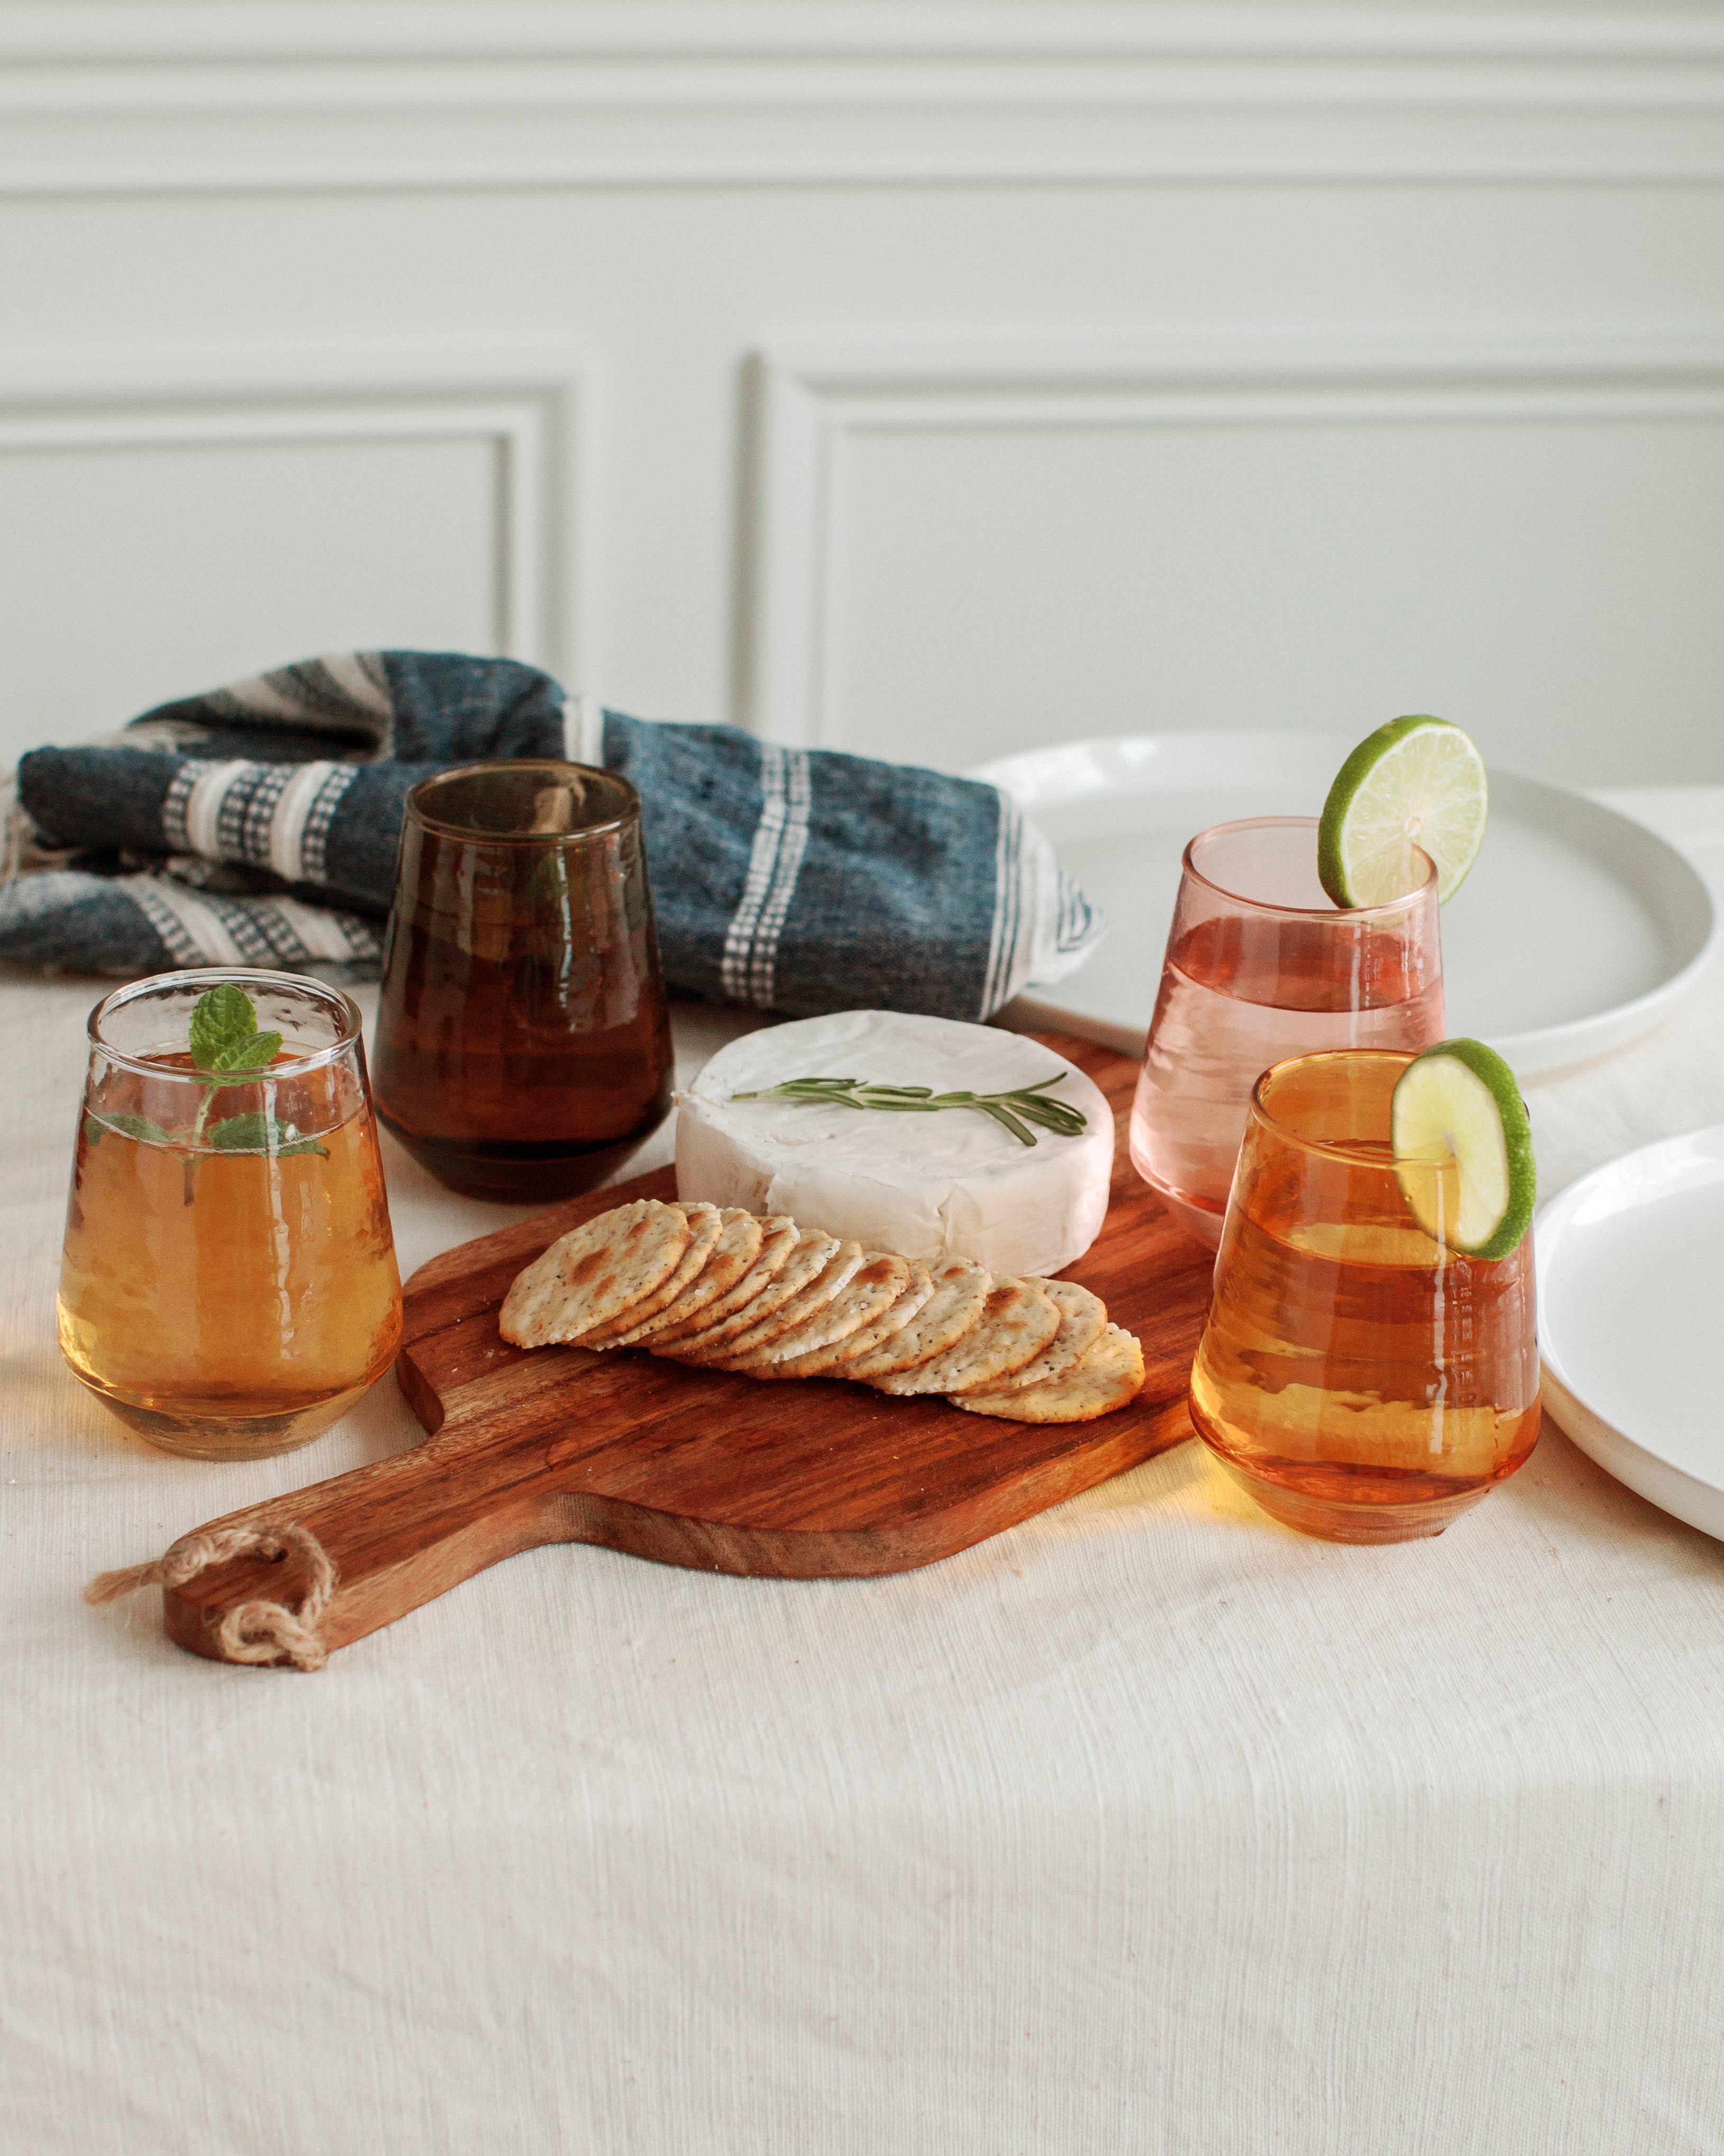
[[722, 1289]]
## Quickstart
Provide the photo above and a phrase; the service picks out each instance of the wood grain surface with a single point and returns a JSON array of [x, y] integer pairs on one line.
[[797, 1479]]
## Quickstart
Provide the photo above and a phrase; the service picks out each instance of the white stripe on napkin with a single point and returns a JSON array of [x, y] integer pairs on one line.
[[286, 691], [793, 844], [321, 934], [259, 695], [314, 832], [762, 855], [173, 804], [781, 838], [287, 828], [361, 675], [204, 803], [185, 925], [1002, 948]]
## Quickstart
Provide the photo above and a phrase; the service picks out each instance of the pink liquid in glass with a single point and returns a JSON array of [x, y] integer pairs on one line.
[[1260, 966]]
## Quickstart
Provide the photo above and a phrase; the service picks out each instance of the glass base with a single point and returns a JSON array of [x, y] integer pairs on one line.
[[1334, 1519], [520, 1175], [1196, 1219], [216, 1437]]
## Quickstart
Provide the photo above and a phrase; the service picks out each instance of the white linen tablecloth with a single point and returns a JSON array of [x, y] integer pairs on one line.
[[1148, 1825]]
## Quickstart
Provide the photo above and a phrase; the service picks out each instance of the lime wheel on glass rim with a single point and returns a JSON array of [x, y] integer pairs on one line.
[[1459, 1101], [1416, 785]]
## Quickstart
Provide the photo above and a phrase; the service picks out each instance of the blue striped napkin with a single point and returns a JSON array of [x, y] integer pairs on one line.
[[257, 825]]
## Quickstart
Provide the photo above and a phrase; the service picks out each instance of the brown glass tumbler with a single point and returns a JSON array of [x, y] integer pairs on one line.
[[523, 1045]]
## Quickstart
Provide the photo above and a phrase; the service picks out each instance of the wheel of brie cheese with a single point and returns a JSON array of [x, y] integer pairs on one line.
[[954, 1183]]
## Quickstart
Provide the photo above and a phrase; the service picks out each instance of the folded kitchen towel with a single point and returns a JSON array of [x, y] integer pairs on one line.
[[257, 825]]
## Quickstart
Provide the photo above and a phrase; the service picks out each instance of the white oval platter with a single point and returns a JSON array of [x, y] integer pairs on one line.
[[1576, 931], [1630, 1267]]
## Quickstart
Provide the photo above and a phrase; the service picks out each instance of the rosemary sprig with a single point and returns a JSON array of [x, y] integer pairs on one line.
[[1013, 1112]]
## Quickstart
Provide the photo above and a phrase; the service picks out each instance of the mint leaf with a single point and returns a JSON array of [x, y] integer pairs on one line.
[[261, 1134], [242, 1060], [229, 1050], [133, 1127], [240, 1134], [223, 1020]]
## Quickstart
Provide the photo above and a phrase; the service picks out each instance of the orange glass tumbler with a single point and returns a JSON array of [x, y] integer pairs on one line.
[[1361, 1378], [228, 1285]]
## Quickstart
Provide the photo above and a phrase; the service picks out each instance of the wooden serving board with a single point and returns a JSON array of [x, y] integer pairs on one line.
[[795, 1480]]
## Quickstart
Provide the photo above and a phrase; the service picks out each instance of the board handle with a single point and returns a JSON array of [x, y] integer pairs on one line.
[[398, 1532]]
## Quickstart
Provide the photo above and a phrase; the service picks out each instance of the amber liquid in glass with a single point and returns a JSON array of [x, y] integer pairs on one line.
[[1362, 1381], [523, 1039], [230, 1303]]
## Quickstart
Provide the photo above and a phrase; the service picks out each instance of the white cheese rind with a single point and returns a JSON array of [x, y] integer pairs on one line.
[[929, 1187]]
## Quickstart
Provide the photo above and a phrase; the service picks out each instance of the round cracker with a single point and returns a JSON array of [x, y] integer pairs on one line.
[[1107, 1375], [705, 1225], [1017, 1322], [594, 1273], [779, 1236], [807, 1260], [735, 1251], [855, 1347], [842, 1263], [871, 1290], [961, 1290], [1082, 1317]]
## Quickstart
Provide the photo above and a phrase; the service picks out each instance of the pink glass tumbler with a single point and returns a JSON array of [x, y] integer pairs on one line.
[[1261, 966]]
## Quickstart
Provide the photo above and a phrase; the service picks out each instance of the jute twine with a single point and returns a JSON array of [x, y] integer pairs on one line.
[[251, 1631]]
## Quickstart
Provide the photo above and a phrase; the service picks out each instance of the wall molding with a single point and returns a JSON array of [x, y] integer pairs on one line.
[[113, 96], [532, 405], [810, 405]]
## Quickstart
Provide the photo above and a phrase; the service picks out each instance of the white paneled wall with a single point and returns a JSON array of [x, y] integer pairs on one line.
[[166, 521], [929, 379], [992, 548]]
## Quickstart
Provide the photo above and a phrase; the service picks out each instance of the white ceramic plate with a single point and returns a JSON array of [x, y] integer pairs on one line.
[[1575, 932], [1630, 1267]]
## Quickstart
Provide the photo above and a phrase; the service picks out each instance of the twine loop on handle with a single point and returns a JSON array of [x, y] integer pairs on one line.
[[251, 1631]]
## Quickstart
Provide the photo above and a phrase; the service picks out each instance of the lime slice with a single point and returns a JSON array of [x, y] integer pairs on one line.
[[1416, 781], [1459, 1102]]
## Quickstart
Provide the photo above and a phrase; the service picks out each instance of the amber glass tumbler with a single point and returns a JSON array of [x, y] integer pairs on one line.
[[228, 1286], [523, 1042], [1262, 965], [1363, 1380]]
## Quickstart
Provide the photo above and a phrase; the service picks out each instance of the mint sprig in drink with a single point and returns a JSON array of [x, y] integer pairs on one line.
[[229, 1284]]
